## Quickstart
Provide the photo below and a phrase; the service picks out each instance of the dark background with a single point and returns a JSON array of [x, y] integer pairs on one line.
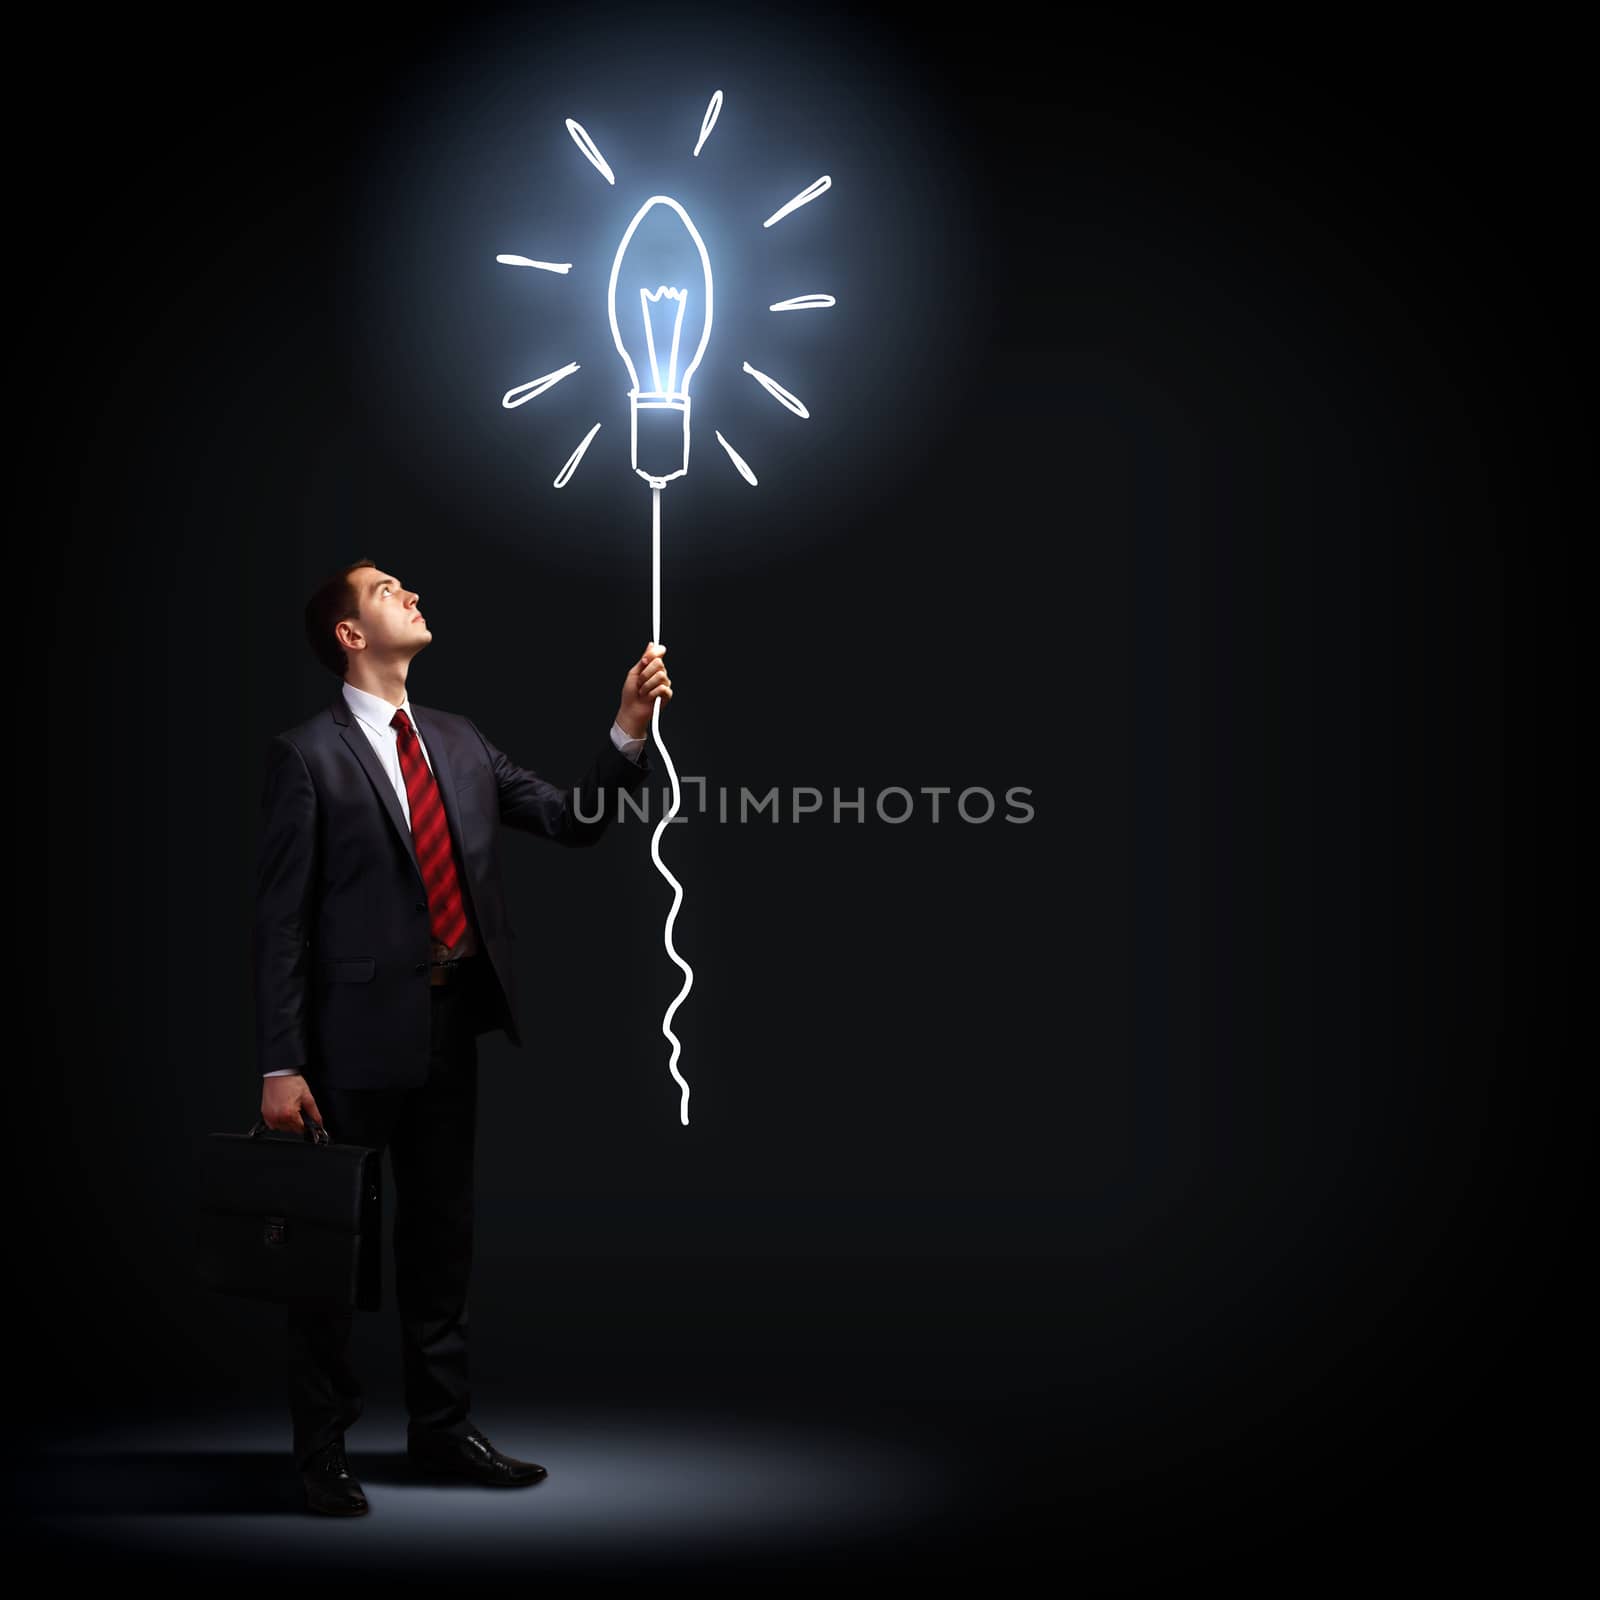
[[1178, 450]]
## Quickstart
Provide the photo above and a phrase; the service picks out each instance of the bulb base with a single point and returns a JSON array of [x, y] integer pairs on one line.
[[660, 435]]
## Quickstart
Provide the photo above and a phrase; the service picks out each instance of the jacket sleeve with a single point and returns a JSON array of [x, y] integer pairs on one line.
[[528, 802], [286, 870]]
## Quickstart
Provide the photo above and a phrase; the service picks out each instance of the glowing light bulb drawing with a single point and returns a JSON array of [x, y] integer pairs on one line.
[[660, 306], [654, 320], [660, 411]]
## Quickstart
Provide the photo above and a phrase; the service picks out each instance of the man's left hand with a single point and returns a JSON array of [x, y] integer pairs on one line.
[[647, 681]]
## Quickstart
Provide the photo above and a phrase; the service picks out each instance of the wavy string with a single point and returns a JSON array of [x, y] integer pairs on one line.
[[655, 838]]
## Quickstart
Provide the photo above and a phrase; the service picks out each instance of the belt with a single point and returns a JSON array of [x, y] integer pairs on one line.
[[443, 973]]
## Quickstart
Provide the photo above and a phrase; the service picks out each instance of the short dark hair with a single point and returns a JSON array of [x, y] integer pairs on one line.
[[334, 602]]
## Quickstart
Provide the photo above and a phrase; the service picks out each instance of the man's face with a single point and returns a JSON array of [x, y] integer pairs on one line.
[[389, 622]]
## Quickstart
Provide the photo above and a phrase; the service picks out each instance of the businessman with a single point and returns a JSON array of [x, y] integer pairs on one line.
[[382, 949]]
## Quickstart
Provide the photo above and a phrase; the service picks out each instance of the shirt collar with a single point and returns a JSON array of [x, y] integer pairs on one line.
[[374, 710]]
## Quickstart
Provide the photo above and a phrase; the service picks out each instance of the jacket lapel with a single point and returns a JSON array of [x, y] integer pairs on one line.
[[361, 748]]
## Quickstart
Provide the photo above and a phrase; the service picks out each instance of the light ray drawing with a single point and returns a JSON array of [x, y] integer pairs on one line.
[[660, 304]]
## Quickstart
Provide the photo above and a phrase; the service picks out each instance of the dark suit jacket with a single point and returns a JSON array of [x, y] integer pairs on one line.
[[341, 941]]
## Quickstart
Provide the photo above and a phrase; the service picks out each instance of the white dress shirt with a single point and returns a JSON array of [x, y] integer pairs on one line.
[[375, 715]]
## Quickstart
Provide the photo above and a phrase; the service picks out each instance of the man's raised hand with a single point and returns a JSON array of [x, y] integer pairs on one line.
[[647, 681]]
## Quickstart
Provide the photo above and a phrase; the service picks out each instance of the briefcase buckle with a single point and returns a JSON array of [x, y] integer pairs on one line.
[[275, 1230]]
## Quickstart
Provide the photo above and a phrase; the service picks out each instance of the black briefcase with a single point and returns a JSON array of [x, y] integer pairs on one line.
[[290, 1217]]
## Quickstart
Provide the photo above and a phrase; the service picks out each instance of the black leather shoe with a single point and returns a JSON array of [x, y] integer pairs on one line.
[[471, 1457], [331, 1486]]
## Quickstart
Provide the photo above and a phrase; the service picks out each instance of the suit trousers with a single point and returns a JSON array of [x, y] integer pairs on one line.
[[428, 1132]]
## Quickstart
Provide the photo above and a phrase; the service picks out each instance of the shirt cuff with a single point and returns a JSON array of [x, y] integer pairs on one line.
[[282, 1072], [629, 747]]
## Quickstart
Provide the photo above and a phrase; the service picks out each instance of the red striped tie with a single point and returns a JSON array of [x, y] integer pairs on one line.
[[431, 832]]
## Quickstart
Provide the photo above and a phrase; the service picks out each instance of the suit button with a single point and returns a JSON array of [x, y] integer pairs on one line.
[[421, 905], [422, 966]]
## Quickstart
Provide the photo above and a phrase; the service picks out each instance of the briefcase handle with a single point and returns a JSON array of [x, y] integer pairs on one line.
[[315, 1132]]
